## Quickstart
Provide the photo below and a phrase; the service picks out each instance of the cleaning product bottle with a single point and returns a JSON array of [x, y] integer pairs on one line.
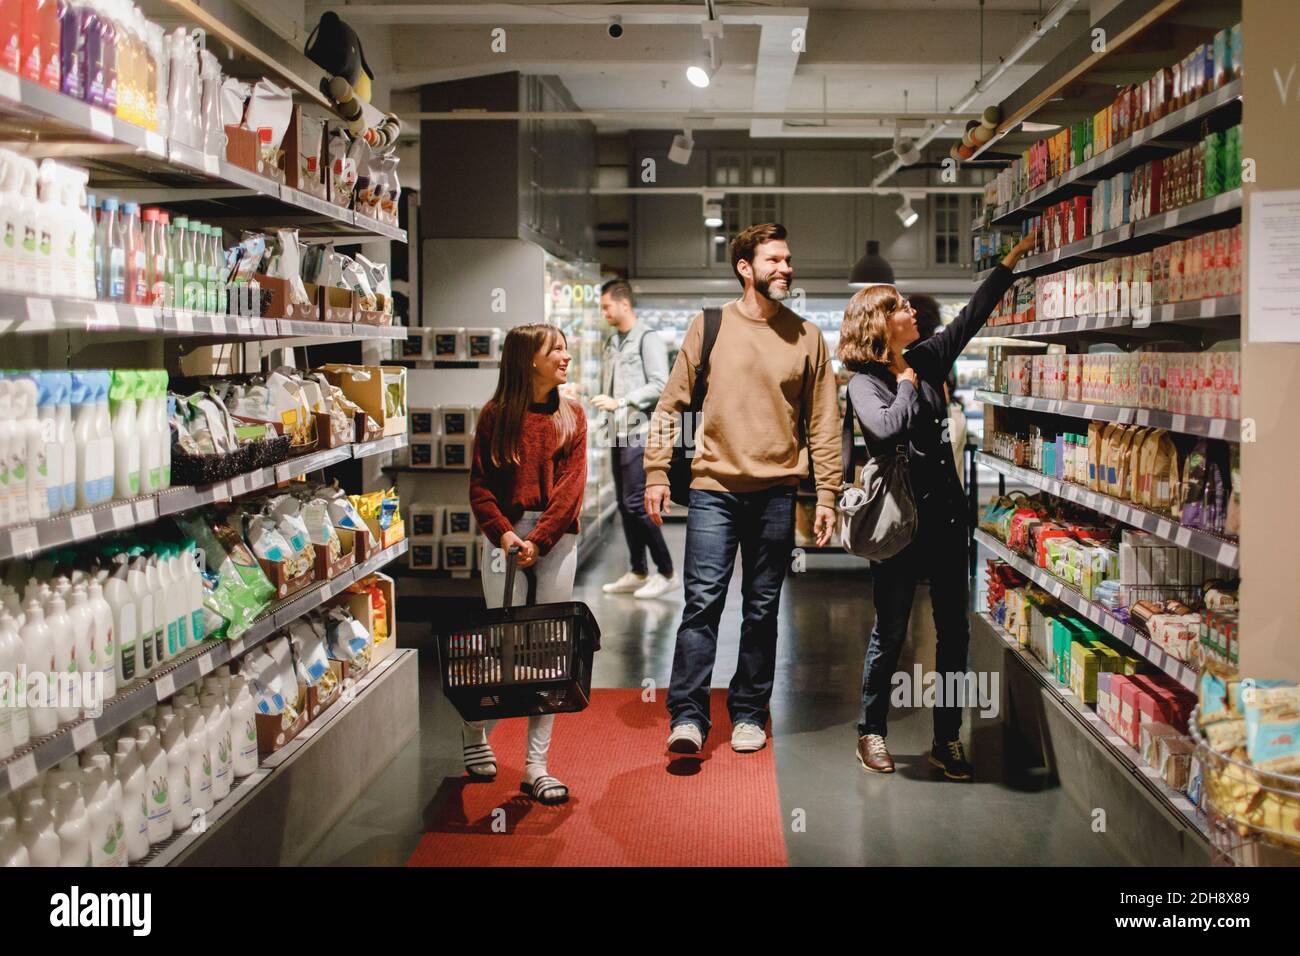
[[50, 454], [166, 409], [71, 821], [84, 412], [147, 432], [126, 623], [65, 662], [28, 210], [38, 648], [137, 275], [10, 188], [66, 442], [135, 819], [13, 853], [155, 251], [85, 649], [15, 702], [99, 812], [158, 589], [37, 831], [113, 837], [178, 594], [102, 614], [72, 52], [144, 603], [96, 210], [9, 661], [108, 38], [6, 440], [83, 228], [47, 214], [197, 274], [93, 43], [157, 795], [11, 29], [171, 728], [200, 759], [106, 447], [218, 724], [243, 727], [28, 469], [195, 590], [126, 440], [176, 256], [113, 243]]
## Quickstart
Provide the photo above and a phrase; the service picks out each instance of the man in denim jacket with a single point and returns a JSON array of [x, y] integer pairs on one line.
[[633, 370]]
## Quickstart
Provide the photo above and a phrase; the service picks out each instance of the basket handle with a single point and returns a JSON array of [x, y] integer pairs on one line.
[[512, 563]]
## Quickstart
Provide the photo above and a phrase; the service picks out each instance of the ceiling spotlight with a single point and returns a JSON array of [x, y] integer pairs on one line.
[[712, 213], [699, 76], [680, 151], [906, 214]]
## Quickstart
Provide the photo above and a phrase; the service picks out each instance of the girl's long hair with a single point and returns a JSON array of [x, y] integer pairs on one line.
[[514, 392]]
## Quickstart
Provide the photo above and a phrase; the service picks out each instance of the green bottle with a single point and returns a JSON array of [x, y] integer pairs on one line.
[[176, 244], [196, 267]]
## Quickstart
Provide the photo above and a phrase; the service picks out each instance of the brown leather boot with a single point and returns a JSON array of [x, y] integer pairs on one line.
[[873, 755]]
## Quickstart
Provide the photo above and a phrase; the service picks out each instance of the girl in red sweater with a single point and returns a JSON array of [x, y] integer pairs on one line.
[[525, 485]]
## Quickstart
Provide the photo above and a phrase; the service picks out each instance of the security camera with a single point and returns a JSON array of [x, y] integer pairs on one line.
[[615, 27]]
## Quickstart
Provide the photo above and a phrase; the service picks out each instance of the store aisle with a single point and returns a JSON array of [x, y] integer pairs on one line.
[[833, 812]]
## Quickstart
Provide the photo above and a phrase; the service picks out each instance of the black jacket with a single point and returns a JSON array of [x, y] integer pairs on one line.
[[893, 414]]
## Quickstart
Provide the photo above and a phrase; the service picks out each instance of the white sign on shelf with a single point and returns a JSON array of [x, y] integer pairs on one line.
[[24, 541], [101, 122], [106, 315], [237, 486], [155, 143], [40, 314], [9, 87], [123, 517], [146, 510], [83, 526], [205, 664], [184, 322], [211, 165], [1218, 427], [165, 686], [83, 735], [22, 771], [1183, 538]]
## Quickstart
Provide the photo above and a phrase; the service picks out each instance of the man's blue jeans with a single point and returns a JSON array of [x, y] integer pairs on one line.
[[761, 525]]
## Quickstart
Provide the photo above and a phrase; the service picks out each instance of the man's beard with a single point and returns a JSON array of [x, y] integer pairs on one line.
[[764, 288]]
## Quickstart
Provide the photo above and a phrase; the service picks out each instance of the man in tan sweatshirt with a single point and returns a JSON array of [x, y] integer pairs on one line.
[[770, 406]]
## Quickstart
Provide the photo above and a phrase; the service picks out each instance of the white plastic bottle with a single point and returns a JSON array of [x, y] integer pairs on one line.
[[50, 454], [84, 237], [158, 588], [218, 723], [13, 853], [126, 621], [171, 727], [144, 602], [25, 235], [15, 704], [102, 614], [126, 438], [71, 821], [115, 842], [48, 211], [164, 426], [243, 727], [195, 590], [38, 648], [147, 433], [157, 782], [6, 439], [66, 442], [65, 663], [10, 199], [29, 500], [37, 831], [135, 820], [200, 760], [102, 816], [84, 412], [85, 649]]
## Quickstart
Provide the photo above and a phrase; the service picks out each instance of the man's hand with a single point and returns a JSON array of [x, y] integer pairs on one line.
[[657, 503], [604, 403], [824, 525]]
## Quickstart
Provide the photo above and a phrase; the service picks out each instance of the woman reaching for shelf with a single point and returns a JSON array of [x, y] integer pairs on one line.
[[898, 398], [526, 482]]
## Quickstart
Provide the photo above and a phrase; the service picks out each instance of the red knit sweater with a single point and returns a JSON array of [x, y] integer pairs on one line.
[[548, 478]]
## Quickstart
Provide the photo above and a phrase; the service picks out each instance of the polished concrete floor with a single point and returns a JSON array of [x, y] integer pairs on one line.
[[852, 818]]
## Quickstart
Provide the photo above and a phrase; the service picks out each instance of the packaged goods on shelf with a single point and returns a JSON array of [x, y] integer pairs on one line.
[[456, 452], [425, 453], [424, 554], [449, 344], [459, 552], [424, 421], [483, 345]]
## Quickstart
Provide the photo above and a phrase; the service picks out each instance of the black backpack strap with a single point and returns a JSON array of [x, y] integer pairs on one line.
[[712, 322], [846, 438]]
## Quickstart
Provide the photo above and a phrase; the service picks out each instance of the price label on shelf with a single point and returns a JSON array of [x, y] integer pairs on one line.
[[1089, 411], [123, 517], [1143, 416], [1228, 554], [22, 771], [211, 165], [40, 314], [165, 686], [146, 510], [1208, 308], [24, 542], [1114, 627], [106, 315], [83, 527], [9, 87], [205, 664], [1142, 646], [1218, 427], [1178, 423], [184, 322], [155, 143], [1183, 538], [1170, 220], [237, 485], [236, 647], [1056, 589], [101, 122], [145, 318], [83, 735], [1164, 528]]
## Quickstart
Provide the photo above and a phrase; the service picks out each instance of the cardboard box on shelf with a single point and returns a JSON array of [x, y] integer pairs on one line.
[[336, 305], [276, 730], [327, 570], [363, 610], [365, 386], [278, 574]]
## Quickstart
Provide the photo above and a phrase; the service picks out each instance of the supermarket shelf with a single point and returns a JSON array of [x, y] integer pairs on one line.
[[1134, 236], [415, 470], [1208, 545], [1176, 802], [1126, 155], [1195, 312], [46, 114], [36, 314], [206, 657], [168, 851], [90, 523], [1140, 644], [1224, 428]]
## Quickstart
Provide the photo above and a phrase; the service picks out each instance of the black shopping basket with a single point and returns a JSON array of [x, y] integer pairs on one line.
[[520, 661]]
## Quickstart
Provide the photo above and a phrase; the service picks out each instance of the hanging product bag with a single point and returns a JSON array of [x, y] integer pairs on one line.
[[878, 519]]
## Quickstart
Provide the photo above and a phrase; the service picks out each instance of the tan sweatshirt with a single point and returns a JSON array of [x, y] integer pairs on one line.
[[771, 401]]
